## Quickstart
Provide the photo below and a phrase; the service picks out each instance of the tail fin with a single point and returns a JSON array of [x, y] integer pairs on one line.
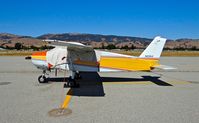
[[154, 49]]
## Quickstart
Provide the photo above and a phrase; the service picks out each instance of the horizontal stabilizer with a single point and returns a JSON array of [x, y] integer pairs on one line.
[[164, 67]]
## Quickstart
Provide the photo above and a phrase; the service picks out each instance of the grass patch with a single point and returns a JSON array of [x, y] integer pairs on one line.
[[164, 53], [15, 53], [132, 53], [181, 53]]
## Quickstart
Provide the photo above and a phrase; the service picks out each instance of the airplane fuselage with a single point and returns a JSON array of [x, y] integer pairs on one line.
[[97, 61]]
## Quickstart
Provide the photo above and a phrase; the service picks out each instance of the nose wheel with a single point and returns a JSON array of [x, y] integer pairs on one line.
[[42, 78]]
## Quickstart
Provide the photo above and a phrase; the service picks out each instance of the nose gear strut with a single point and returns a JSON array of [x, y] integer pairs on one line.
[[42, 78]]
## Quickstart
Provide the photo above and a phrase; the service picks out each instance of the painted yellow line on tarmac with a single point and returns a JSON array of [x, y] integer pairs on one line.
[[67, 99], [69, 94]]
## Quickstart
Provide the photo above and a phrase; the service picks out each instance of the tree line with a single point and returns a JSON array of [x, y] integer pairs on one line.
[[20, 46], [112, 46]]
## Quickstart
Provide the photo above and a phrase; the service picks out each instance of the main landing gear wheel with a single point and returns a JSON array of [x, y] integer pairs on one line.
[[71, 83], [78, 76], [42, 79]]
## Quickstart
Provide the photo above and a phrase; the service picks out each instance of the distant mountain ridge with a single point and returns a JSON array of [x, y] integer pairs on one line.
[[10, 36], [91, 37], [96, 40]]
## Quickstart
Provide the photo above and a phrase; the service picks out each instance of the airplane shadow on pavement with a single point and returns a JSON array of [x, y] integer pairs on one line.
[[154, 79], [91, 84]]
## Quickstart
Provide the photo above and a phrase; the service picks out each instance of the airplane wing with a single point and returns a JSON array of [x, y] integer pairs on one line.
[[164, 67], [72, 45], [79, 56]]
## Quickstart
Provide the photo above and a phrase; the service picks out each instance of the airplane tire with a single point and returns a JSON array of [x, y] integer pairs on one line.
[[78, 76], [72, 83], [42, 79]]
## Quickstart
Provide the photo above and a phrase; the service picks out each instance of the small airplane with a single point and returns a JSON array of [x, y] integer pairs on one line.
[[77, 57]]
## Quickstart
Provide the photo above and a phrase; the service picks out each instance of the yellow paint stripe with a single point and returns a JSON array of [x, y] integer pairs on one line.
[[129, 64], [39, 57], [67, 99]]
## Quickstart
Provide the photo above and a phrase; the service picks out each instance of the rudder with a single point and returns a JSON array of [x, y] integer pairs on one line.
[[154, 49]]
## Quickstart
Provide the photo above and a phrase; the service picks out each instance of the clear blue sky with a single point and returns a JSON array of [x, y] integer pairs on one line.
[[169, 18]]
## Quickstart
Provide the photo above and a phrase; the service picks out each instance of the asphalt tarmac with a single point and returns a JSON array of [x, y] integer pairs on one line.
[[124, 97]]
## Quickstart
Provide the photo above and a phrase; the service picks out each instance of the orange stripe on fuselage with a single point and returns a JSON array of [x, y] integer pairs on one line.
[[129, 64], [39, 55], [86, 63]]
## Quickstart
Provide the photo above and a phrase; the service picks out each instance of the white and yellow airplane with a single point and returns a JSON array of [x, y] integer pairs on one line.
[[77, 57]]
